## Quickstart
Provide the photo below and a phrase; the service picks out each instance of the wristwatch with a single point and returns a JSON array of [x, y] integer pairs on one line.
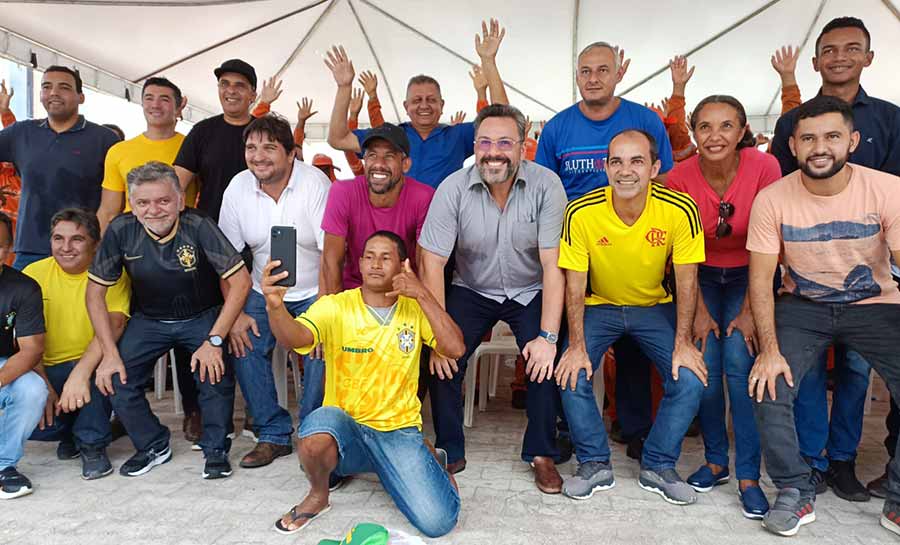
[[215, 340], [549, 337]]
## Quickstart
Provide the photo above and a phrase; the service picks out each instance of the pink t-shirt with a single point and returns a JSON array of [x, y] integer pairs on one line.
[[834, 249], [350, 214], [755, 171]]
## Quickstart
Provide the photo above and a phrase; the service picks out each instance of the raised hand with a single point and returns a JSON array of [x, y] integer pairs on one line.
[[271, 91], [655, 107], [340, 65], [488, 42], [369, 82], [356, 102], [678, 67], [5, 96], [623, 62], [304, 110], [458, 118], [479, 81], [273, 293], [784, 61]]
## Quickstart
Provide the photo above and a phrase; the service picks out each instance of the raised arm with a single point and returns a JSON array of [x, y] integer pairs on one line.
[[339, 136], [304, 112], [486, 45], [287, 330], [784, 61]]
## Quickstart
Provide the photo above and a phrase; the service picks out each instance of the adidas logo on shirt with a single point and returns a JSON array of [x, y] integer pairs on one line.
[[604, 242]]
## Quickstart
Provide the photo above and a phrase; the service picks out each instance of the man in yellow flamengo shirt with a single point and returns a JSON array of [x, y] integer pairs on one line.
[[371, 418], [70, 351]]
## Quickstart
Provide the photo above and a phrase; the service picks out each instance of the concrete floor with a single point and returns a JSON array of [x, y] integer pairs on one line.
[[173, 505]]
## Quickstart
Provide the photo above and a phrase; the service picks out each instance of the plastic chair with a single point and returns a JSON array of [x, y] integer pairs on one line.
[[159, 380], [501, 343], [281, 359]]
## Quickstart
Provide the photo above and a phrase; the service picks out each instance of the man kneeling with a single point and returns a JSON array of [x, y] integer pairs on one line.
[[370, 421]]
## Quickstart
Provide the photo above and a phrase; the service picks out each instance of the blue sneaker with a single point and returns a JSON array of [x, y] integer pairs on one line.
[[703, 480], [754, 504]]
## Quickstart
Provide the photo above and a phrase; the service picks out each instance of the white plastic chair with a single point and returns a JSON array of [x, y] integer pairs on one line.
[[159, 380], [281, 359], [502, 343]]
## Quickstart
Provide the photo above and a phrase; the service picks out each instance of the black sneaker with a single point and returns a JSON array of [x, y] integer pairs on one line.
[[217, 466], [841, 477], [817, 478], [66, 450], [13, 484], [144, 461], [94, 463]]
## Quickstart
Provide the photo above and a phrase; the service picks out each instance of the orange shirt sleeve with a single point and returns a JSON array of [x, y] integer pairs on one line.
[[375, 117], [261, 109], [299, 136], [8, 118], [676, 127], [790, 98], [355, 163], [480, 105]]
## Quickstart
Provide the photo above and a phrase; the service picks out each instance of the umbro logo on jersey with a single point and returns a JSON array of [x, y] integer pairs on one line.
[[604, 242]]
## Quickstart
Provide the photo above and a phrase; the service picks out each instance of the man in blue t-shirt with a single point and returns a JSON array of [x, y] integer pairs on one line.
[[437, 150]]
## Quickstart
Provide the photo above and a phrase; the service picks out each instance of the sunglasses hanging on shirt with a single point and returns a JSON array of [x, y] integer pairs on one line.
[[723, 228]]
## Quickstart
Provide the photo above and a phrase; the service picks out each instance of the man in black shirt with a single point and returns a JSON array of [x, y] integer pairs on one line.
[[23, 393], [214, 149], [175, 258]]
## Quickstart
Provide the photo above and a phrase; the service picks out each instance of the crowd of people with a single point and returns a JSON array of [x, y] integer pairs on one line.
[[708, 266]]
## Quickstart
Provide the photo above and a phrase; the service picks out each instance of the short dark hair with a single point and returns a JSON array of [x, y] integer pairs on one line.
[[422, 79], [748, 140], [273, 126], [654, 148], [163, 82], [824, 104], [502, 110], [116, 129], [845, 22], [393, 237], [70, 71], [81, 218], [7, 221]]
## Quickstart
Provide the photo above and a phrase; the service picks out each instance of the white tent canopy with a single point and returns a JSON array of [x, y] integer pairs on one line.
[[729, 41]]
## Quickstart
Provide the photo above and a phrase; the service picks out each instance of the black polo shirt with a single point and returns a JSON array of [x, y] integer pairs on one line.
[[175, 277], [878, 123], [58, 170], [214, 150], [21, 309]]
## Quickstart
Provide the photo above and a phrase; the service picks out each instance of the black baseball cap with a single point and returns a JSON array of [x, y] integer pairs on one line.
[[237, 66], [390, 132]]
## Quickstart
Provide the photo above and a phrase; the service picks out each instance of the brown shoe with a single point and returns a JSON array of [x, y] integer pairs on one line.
[[192, 426], [546, 477], [457, 466], [264, 454]]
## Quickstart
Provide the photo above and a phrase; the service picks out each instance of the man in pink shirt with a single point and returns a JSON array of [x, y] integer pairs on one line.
[[382, 199], [835, 226]]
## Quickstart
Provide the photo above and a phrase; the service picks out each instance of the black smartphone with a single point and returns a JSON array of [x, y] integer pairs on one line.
[[284, 248]]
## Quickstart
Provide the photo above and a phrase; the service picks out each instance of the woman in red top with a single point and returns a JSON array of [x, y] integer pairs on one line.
[[723, 179]]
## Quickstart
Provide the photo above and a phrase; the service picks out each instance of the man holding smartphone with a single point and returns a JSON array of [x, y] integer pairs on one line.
[[275, 198]]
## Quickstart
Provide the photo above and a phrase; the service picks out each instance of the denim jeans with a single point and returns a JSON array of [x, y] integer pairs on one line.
[[842, 435], [24, 259], [88, 426], [254, 374], [476, 315], [411, 476], [21, 406], [145, 340], [724, 291], [653, 329], [805, 330]]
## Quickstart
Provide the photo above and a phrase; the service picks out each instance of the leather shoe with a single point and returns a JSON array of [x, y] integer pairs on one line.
[[546, 477], [457, 466], [264, 454]]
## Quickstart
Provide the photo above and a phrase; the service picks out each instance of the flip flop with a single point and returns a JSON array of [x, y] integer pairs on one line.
[[295, 516]]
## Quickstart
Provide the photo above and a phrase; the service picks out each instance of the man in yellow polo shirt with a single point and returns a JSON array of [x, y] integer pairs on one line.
[[371, 418], [616, 244], [70, 351]]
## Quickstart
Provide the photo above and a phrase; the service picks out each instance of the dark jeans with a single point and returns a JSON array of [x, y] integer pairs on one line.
[[145, 340], [476, 315], [892, 422], [805, 330], [87, 427], [634, 397]]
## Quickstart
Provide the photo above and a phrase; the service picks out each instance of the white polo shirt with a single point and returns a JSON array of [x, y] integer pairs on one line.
[[248, 214]]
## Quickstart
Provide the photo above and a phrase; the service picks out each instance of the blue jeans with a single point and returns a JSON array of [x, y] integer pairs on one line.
[[724, 290], [21, 406], [89, 426], [24, 259], [412, 477], [653, 329], [254, 374], [142, 343], [841, 436]]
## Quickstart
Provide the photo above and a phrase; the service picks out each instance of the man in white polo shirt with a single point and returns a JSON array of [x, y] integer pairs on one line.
[[276, 189]]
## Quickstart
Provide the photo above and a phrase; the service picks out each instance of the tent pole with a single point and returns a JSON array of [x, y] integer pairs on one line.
[[575, 49], [303, 41], [384, 77]]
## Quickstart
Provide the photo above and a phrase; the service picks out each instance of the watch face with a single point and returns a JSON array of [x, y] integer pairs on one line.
[[215, 340], [553, 338]]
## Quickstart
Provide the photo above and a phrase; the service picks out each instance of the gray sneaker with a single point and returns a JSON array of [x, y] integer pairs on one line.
[[790, 512], [668, 484], [590, 477]]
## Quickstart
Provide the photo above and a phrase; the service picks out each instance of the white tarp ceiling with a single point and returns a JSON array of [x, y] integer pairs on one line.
[[729, 41]]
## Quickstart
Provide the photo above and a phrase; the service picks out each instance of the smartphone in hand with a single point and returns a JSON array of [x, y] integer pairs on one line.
[[283, 247]]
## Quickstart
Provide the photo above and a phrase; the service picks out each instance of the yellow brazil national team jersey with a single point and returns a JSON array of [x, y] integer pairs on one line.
[[371, 370], [626, 264], [140, 150], [69, 329]]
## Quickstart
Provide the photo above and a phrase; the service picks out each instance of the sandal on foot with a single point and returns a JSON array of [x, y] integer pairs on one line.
[[295, 516]]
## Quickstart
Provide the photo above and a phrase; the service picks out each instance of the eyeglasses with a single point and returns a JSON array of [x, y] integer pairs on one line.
[[723, 228], [503, 144]]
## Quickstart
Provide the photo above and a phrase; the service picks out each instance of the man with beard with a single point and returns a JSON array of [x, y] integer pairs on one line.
[[843, 50], [616, 244], [60, 161], [382, 199], [175, 258], [504, 217], [834, 226], [275, 190]]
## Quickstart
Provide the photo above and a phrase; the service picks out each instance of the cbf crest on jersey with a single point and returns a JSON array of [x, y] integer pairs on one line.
[[406, 340], [187, 256]]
